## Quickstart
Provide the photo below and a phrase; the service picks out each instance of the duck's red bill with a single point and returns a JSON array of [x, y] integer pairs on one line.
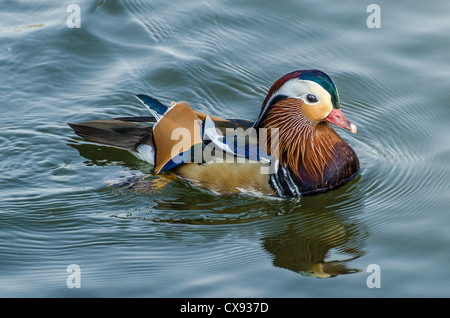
[[338, 118]]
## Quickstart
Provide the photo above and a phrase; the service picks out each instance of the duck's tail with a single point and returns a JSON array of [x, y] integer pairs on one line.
[[115, 133], [129, 133]]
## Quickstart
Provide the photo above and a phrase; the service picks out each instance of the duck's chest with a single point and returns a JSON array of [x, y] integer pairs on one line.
[[341, 169]]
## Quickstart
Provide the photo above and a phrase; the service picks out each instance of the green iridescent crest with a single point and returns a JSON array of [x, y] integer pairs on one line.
[[323, 80]]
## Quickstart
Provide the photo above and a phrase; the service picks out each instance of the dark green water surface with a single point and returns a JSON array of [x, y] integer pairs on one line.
[[164, 238]]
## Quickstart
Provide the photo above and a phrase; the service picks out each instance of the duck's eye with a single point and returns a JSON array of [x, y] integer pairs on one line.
[[311, 98]]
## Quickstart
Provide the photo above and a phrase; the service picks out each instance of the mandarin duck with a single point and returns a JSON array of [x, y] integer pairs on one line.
[[291, 149]]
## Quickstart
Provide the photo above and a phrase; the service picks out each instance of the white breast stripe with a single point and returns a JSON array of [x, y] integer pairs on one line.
[[291, 182]]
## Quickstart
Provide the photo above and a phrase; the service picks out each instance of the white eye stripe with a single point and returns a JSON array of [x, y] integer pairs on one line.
[[296, 88]]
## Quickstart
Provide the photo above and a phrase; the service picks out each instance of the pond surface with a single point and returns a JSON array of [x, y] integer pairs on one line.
[[164, 238]]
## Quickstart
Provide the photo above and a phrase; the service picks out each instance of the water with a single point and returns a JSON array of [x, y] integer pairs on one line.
[[163, 238]]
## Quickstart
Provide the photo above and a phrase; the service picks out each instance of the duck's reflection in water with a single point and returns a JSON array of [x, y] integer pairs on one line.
[[319, 239], [305, 251]]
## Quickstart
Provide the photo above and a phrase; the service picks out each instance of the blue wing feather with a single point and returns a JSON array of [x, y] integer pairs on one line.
[[153, 105]]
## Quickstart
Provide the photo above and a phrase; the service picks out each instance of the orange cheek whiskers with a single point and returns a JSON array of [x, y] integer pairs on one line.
[[302, 143]]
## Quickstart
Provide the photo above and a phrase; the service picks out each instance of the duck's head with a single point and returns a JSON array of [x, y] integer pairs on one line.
[[305, 98]]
